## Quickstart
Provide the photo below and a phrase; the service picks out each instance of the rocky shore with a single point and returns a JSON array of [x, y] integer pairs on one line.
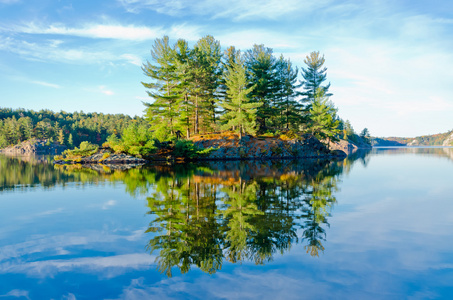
[[34, 146], [348, 147], [448, 141], [249, 147], [105, 157], [226, 148]]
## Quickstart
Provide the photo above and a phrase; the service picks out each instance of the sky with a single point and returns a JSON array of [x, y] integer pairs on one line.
[[389, 61]]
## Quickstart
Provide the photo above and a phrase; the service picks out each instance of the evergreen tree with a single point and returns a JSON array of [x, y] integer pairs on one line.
[[314, 75], [287, 105], [186, 109], [260, 64], [241, 111], [70, 141], [365, 135], [61, 137], [230, 56], [323, 120], [209, 54], [348, 130], [162, 112], [26, 128]]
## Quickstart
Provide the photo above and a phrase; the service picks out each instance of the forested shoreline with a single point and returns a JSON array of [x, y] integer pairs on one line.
[[70, 129], [196, 91], [202, 89]]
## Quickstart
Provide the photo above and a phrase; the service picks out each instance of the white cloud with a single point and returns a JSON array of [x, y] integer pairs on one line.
[[121, 32], [108, 204], [53, 51], [245, 39], [185, 31], [17, 294], [250, 284], [47, 84], [105, 91], [44, 268], [236, 10], [133, 59], [55, 244]]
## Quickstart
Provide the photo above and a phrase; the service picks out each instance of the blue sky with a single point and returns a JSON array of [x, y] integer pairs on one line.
[[389, 62]]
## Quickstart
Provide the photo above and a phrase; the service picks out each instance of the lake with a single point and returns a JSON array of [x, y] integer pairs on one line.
[[377, 225]]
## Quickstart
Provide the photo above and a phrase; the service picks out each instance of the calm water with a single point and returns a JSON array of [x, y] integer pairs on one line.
[[378, 225]]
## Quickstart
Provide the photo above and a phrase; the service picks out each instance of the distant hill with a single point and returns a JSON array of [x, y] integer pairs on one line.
[[424, 140]]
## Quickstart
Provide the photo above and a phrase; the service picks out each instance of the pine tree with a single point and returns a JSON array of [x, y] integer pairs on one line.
[[261, 65], [230, 56], [61, 137], [241, 111], [26, 128], [286, 104], [210, 51], [162, 112], [314, 75], [70, 143], [186, 108], [365, 135], [323, 120]]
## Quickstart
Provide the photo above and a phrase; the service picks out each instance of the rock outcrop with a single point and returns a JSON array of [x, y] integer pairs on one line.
[[34, 146], [348, 147], [448, 141], [249, 147], [106, 158], [413, 143]]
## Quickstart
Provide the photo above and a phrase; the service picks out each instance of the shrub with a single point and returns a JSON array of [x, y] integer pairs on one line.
[[187, 149], [105, 156], [112, 141], [289, 135], [85, 149]]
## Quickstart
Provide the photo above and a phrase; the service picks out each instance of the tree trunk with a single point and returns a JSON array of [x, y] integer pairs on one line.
[[196, 114]]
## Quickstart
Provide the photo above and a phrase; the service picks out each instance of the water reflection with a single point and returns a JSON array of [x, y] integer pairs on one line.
[[206, 214], [432, 151], [251, 213]]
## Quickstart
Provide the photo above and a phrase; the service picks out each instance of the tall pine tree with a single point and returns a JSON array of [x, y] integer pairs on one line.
[[324, 123], [162, 112], [314, 76], [286, 94], [241, 112], [261, 63]]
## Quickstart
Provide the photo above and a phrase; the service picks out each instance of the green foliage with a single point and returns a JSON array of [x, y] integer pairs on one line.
[[323, 120], [85, 149], [187, 149], [112, 141], [240, 112], [261, 68], [365, 136], [184, 86], [289, 135], [136, 140], [198, 91], [163, 111], [286, 106], [314, 75], [105, 156], [66, 128]]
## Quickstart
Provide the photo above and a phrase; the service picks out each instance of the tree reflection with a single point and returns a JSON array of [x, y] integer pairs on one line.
[[203, 214], [211, 214], [186, 226]]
